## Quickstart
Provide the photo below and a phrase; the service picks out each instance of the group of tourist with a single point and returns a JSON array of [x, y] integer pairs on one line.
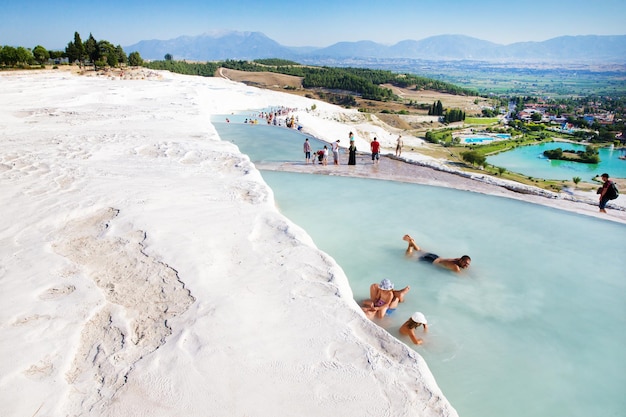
[[384, 299], [275, 118], [322, 154]]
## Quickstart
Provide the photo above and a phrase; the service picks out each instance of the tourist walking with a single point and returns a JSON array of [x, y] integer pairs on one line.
[[325, 156], [336, 152], [399, 146], [375, 148], [307, 151]]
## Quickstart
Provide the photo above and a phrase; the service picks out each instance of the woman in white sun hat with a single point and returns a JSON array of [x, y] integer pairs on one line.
[[408, 328]]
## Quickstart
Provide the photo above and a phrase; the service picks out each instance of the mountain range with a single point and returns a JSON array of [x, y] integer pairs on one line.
[[255, 45]]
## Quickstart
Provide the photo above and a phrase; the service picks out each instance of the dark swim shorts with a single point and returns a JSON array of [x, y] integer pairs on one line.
[[429, 257]]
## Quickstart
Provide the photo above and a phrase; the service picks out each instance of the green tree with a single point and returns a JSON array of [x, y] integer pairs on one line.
[[576, 180], [168, 57], [474, 158], [91, 49], [554, 153], [8, 56], [24, 56], [439, 108], [80, 49], [75, 51], [41, 54], [56, 54], [121, 55], [454, 115], [135, 60], [107, 54], [71, 52]]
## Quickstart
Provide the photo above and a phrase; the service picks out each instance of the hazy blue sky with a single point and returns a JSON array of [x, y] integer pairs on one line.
[[52, 23]]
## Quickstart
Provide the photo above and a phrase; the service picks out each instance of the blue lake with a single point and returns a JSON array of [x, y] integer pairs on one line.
[[529, 160], [534, 328]]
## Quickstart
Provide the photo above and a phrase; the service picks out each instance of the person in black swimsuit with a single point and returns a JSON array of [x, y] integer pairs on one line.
[[453, 264]]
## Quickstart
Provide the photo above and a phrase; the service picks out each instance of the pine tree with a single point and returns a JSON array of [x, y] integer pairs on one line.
[[91, 49]]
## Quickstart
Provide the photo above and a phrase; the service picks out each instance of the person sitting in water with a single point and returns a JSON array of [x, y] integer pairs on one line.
[[383, 299], [453, 264], [416, 320]]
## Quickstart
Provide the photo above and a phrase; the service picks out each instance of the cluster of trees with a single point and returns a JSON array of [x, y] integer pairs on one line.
[[436, 109], [443, 137], [340, 79], [453, 115], [99, 53], [181, 67], [363, 82], [22, 57], [449, 116], [589, 156]]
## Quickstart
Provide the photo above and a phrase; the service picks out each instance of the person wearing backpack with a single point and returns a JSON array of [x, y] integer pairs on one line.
[[607, 192]]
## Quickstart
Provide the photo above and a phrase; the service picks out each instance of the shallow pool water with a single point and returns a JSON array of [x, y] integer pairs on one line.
[[534, 328]]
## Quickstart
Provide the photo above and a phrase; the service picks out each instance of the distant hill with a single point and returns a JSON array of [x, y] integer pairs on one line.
[[213, 47], [255, 45]]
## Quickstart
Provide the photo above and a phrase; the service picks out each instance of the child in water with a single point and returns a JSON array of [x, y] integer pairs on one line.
[[409, 326]]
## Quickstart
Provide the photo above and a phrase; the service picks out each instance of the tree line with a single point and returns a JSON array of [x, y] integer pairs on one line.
[[97, 53], [360, 81], [23, 57]]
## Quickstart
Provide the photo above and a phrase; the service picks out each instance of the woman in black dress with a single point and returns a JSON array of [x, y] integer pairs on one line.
[[352, 150]]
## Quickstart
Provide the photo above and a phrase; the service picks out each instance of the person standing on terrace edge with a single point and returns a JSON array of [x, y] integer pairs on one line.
[[335, 148], [606, 192], [375, 147], [399, 146], [307, 151], [352, 151]]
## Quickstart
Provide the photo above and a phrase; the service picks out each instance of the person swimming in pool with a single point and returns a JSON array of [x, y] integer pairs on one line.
[[383, 299], [453, 264]]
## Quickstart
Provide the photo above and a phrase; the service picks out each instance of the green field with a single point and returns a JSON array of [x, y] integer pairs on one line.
[[481, 120]]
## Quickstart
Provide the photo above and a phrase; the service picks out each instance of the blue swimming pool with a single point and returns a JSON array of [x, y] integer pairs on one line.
[[473, 139], [477, 139]]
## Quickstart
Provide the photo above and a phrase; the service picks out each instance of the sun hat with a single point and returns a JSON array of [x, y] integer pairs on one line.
[[385, 284], [418, 317]]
